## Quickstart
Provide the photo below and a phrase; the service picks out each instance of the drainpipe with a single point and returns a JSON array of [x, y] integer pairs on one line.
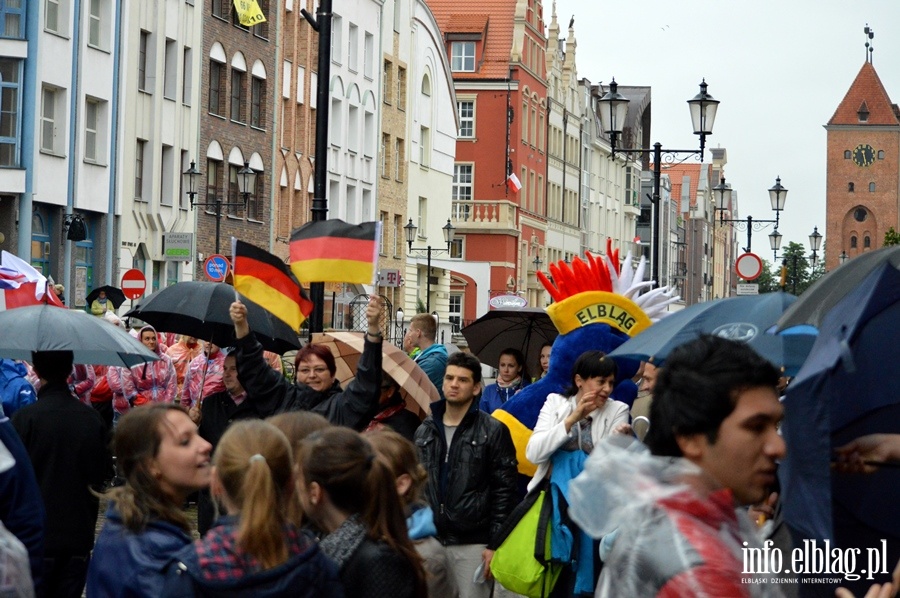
[[111, 247], [28, 134], [73, 143]]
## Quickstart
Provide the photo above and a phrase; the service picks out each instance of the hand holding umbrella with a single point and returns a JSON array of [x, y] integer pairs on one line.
[[867, 453]]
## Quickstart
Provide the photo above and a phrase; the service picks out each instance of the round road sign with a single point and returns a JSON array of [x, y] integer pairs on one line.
[[216, 267], [133, 284], [748, 266]]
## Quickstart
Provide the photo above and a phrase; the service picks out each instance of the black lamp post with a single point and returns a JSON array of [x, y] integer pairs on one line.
[[777, 197], [843, 257], [815, 243], [703, 114], [246, 187], [410, 229]]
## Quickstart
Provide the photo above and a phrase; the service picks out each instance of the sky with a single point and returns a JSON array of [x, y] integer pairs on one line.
[[779, 69]]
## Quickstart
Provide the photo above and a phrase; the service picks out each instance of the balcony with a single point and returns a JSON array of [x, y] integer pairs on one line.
[[484, 216]]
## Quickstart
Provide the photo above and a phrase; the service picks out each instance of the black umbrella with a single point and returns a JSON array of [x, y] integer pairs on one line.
[[114, 294], [818, 299], [525, 329], [50, 328], [200, 309]]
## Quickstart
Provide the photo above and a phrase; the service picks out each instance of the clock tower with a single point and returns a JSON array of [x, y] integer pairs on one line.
[[863, 170]]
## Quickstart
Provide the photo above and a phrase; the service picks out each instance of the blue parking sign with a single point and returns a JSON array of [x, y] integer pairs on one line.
[[216, 267]]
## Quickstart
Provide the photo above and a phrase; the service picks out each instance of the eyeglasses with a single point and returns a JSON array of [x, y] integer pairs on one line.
[[308, 371]]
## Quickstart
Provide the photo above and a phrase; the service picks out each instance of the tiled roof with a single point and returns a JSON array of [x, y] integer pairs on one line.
[[498, 38], [468, 23], [676, 173], [866, 88]]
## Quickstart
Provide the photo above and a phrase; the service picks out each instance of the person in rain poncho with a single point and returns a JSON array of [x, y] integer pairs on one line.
[[152, 381]]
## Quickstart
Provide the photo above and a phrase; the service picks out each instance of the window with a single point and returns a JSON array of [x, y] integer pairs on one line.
[[337, 39], [257, 102], [254, 203], [524, 124], [238, 96], [850, 187], [353, 48], [369, 133], [12, 22], [401, 88], [287, 70], [387, 76], [261, 30], [220, 8], [313, 97], [170, 81], [9, 111], [462, 57], [462, 181], [301, 76], [424, 147], [382, 241], [216, 88], [860, 214], [139, 149], [353, 128], [847, 154], [867, 242], [853, 242], [455, 315], [466, 112], [234, 197], [213, 181], [54, 17], [94, 23], [91, 125], [236, 21], [881, 154], [187, 76], [422, 223], [399, 159], [426, 86], [398, 235], [385, 155], [368, 55], [167, 176], [142, 61], [456, 248], [51, 120], [872, 187]]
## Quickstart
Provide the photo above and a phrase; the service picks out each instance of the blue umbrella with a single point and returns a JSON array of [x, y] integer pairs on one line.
[[747, 318], [847, 388]]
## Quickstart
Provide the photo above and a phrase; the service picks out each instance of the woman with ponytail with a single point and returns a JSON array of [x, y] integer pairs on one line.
[[351, 496], [253, 550], [163, 460]]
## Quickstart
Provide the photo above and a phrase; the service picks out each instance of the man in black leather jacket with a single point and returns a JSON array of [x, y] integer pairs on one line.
[[471, 464]]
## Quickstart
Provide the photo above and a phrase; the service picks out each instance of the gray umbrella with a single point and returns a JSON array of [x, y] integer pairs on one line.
[[50, 328]]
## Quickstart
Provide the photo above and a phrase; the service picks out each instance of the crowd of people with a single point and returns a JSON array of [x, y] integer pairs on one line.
[[308, 487]]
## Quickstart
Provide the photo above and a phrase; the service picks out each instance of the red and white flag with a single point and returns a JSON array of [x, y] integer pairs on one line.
[[512, 181], [21, 285]]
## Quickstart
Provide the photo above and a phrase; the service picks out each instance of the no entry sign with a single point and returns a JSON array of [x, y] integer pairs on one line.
[[133, 284], [748, 266]]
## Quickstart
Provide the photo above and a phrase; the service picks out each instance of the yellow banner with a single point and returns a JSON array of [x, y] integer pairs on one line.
[[249, 13]]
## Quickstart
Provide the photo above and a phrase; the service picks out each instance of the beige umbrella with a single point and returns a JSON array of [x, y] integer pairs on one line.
[[415, 387]]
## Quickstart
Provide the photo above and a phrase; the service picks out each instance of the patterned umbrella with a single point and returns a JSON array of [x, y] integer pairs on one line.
[[415, 386]]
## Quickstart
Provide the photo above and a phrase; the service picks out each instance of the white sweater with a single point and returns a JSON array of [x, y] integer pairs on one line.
[[550, 430]]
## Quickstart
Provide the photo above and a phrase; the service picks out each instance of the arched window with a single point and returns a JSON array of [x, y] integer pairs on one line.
[[872, 187], [846, 154], [850, 187], [881, 154], [426, 85], [867, 242], [853, 242]]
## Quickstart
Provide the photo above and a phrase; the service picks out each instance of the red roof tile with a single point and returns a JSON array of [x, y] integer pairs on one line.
[[497, 40], [866, 88], [676, 173], [466, 23]]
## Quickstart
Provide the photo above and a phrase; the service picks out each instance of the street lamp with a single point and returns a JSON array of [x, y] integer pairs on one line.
[[778, 197], [703, 114], [843, 257], [537, 262], [815, 243], [398, 322], [410, 230], [246, 186], [775, 243]]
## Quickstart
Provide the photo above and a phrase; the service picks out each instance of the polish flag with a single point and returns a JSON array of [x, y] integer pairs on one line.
[[513, 183]]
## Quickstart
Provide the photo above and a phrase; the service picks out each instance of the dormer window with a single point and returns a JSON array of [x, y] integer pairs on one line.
[[863, 113], [462, 57]]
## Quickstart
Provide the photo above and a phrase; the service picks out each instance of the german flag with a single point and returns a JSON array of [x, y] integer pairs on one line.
[[334, 251], [264, 279]]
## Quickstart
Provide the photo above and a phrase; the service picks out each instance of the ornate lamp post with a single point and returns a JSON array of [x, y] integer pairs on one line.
[[410, 230], [777, 197], [246, 187], [612, 117]]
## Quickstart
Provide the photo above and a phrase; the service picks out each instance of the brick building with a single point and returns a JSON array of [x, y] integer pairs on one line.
[[863, 169]]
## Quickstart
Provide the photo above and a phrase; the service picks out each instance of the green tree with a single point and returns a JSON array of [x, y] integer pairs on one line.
[[768, 281], [891, 237], [800, 274]]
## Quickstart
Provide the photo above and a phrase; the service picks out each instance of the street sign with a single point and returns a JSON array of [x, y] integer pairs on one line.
[[133, 284], [216, 267], [748, 266], [747, 288], [177, 246]]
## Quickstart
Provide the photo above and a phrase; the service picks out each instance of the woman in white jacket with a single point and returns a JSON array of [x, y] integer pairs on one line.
[[582, 417]]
